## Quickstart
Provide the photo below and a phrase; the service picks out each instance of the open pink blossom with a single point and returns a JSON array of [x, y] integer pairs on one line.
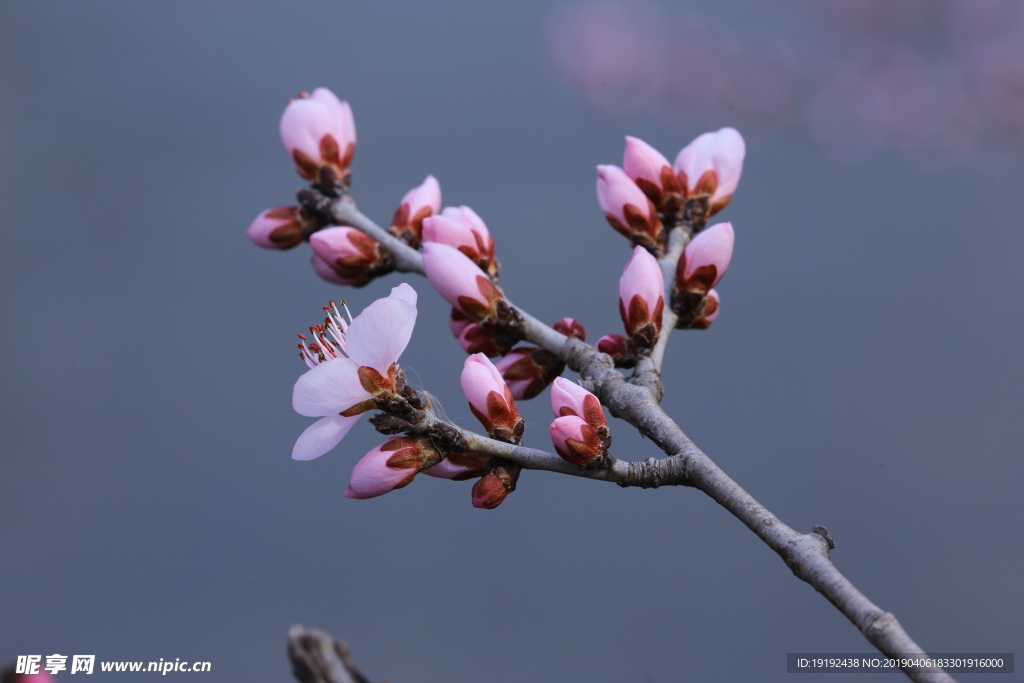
[[345, 359], [642, 298], [712, 165], [419, 203], [651, 172], [277, 228], [489, 398], [626, 207], [391, 466], [318, 131], [705, 259], [459, 280]]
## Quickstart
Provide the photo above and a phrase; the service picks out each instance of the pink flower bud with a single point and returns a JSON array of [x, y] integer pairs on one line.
[[528, 370], [490, 399], [461, 228], [712, 165], [641, 299], [494, 487], [351, 253], [459, 281], [619, 348], [319, 132], [571, 328], [391, 466], [460, 466], [705, 259], [418, 203], [325, 271], [576, 441], [627, 208], [278, 228], [569, 398], [652, 173]]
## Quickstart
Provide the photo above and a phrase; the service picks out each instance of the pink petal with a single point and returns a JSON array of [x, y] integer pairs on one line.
[[371, 477], [329, 388], [322, 436], [615, 190], [480, 378], [642, 276], [711, 247], [722, 152], [341, 116], [729, 161], [565, 393], [452, 273], [446, 469], [428, 193], [379, 335], [334, 243], [444, 230], [324, 270], [565, 428], [641, 161]]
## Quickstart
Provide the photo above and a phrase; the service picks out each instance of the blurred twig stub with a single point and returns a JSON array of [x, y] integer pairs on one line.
[[317, 658]]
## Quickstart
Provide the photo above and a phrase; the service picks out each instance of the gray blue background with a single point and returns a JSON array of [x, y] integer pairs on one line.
[[865, 372]]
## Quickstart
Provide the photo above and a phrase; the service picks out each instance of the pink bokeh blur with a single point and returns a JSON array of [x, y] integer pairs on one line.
[[936, 80]]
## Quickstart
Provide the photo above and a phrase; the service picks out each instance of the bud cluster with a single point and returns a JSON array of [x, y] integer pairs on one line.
[[580, 431], [647, 197]]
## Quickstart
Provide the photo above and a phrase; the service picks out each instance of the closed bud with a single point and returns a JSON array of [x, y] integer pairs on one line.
[[569, 398], [320, 135], [391, 466], [709, 168], [494, 487], [642, 299], [418, 203], [653, 174], [619, 348], [460, 466], [491, 400], [327, 272], [461, 228], [282, 227], [460, 281], [352, 254], [527, 370], [571, 328], [628, 209], [578, 442], [705, 259]]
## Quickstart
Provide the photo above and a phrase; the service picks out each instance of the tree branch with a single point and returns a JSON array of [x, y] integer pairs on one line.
[[318, 658], [636, 401]]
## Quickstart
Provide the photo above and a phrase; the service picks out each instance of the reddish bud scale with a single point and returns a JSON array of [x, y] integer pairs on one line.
[[570, 328], [619, 348], [354, 257], [580, 443], [528, 370], [494, 487]]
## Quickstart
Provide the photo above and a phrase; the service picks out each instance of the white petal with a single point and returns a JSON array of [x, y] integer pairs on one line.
[[322, 436], [378, 335], [328, 388]]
